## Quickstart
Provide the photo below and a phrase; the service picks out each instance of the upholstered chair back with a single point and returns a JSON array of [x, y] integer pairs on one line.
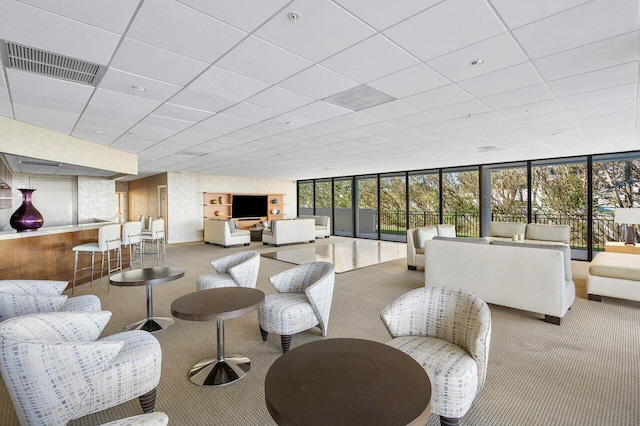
[[243, 267], [131, 232], [109, 237]]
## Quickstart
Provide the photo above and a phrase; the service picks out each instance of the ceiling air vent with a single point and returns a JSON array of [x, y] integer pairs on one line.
[[39, 163], [359, 97], [29, 59]]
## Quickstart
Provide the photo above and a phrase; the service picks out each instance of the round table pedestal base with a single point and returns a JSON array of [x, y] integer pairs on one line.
[[150, 325], [212, 372]]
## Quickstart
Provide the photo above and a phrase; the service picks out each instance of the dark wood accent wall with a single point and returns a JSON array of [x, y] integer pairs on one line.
[[45, 257]]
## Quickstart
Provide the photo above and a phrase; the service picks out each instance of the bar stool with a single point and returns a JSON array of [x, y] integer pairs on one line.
[[108, 241], [132, 238], [156, 235]]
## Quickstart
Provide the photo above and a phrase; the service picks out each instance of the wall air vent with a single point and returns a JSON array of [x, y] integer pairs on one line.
[[359, 97], [29, 59], [40, 163]]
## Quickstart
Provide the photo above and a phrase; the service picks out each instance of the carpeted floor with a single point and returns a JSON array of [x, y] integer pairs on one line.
[[584, 372]]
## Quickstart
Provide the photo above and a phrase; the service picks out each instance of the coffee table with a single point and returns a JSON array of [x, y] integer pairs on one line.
[[148, 277], [347, 381], [218, 304]]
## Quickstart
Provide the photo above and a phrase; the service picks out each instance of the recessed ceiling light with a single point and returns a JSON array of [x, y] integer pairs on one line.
[[289, 123], [527, 111], [555, 134], [139, 88], [486, 148], [477, 62], [98, 132], [293, 16]]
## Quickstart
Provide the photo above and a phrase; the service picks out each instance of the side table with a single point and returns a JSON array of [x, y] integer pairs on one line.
[[256, 234], [218, 304], [148, 277]]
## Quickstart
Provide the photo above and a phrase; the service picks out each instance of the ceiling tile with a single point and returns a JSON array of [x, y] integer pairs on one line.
[[122, 101], [504, 80], [227, 84], [124, 82], [113, 15], [46, 103], [245, 14], [320, 111], [180, 29], [447, 26], [181, 113], [520, 12], [166, 123], [409, 81], [247, 111], [381, 14], [369, 60], [276, 64], [152, 62], [201, 101], [117, 114], [318, 82], [390, 110], [353, 120], [414, 120], [534, 109], [497, 52], [578, 26], [463, 109], [609, 94], [524, 96], [594, 80], [339, 29], [43, 30], [280, 99], [440, 97], [610, 52], [47, 86]]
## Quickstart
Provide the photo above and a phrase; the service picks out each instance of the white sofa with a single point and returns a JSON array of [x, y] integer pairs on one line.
[[417, 237], [614, 275], [225, 233], [287, 231], [531, 277], [533, 232], [323, 225]]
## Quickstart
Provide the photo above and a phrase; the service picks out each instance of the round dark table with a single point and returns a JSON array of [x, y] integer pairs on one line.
[[218, 304], [347, 382], [148, 277]]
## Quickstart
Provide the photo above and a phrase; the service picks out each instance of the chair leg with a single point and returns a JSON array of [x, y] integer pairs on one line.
[[148, 401], [286, 342], [75, 272], [264, 334], [448, 421]]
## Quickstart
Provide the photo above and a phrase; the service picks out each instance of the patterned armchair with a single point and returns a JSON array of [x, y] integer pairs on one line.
[[20, 297], [236, 270], [447, 330], [303, 301], [55, 370]]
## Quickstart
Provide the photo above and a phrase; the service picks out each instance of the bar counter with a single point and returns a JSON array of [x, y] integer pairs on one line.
[[46, 254]]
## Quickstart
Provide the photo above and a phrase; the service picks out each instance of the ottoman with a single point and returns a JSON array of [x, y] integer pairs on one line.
[[614, 275]]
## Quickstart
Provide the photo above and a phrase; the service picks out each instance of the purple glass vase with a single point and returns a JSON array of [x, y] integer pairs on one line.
[[26, 218]]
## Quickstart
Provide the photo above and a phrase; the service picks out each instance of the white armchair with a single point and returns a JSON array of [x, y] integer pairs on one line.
[[236, 270], [55, 370], [225, 233], [448, 331], [417, 238], [21, 297], [303, 301]]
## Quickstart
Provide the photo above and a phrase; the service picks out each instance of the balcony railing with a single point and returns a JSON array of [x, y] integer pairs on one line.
[[468, 224]]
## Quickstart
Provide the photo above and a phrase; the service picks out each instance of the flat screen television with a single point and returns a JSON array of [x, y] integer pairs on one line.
[[245, 206]]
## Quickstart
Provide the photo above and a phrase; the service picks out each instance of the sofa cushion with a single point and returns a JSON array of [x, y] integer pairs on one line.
[[421, 235], [616, 265], [240, 232], [539, 231], [481, 240], [446, 230], [232, 226], [505, 229], [565, 249]]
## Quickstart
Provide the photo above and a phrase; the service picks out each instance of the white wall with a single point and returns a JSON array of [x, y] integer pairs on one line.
[[185, 192]]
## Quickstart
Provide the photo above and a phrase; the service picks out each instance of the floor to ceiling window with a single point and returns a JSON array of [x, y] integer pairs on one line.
[[461, 200], [393, 207], [305, 197], [616, 183], [367, 206], [509, 193], [343, 206], [559, 197], [324, 198], [424, 198]]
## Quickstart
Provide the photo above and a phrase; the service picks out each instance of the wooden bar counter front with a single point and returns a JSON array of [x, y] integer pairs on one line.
[[45, 254]]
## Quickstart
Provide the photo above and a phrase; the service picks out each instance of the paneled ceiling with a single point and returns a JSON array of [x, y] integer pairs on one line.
[[242, 87]]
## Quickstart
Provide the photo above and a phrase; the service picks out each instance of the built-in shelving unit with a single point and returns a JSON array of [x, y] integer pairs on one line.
[[218, 205]]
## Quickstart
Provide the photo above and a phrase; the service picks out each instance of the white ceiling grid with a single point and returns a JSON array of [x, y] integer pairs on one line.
[[238, 88]]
